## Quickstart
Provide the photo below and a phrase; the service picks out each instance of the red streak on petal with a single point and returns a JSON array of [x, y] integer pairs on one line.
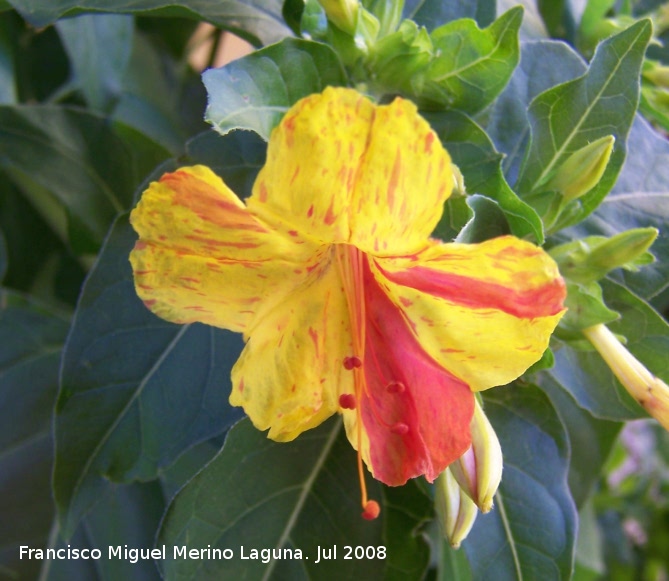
[[215, 243], [429, 138], [394, 179], [310, 211], [140, 245], [295, 174], [314, 338]]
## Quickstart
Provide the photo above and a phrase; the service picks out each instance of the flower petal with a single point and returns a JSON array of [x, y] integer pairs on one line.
[[403, 181], [290, 374], [312, 160], [344, 170], [416, 416], [202, 256], [483, 311]]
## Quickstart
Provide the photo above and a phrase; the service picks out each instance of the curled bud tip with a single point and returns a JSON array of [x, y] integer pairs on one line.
[[347, 401], [372, 510], [395, 387], [400, 428], [352, 362]]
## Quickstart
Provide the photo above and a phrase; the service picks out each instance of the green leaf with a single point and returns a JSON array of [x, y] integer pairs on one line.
[[99, 48], [480, 164], [297, 496], [531, 532], [639, 199], [3, 256], [488, 221], [31, 336], [586, 461], [434, 13], [601, 102], [255, 91], [472, 66], [124, 519], [453, 564], [585, 375], [259, 21], [124, 422], [586, 307], [75, 157], [543, 64]]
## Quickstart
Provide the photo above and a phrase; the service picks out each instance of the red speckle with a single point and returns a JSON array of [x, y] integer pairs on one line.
[[347, 401], [263, 192], [395, 387], [292, 232], [310, 211], [314, 337], [406, 302], [150, 302], [352, 362], [295, 174], [140, 245], [429, 138], [241, 385]]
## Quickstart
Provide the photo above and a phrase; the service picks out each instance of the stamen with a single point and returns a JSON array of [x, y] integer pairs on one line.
[[352, 362], [372, 510], [347, 401], [400, 428], [395, 387]]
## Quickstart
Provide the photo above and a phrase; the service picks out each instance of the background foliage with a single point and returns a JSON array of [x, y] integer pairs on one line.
[[114, 425]]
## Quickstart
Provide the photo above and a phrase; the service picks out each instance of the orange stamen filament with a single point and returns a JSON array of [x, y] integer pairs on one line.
[[350, 266]]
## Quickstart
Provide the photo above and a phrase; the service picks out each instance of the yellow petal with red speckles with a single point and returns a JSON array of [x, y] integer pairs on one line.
[[313, 157], [404, 179], [202, 256], [290, 374], [485, 312]]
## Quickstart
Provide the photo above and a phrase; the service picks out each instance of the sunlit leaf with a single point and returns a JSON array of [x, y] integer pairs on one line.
[[531, 531], [255, 91], [569, 116]]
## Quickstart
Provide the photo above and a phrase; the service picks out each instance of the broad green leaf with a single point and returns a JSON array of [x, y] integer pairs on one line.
[[488, 221], [255, 91], [99, 49], [584, 374], [453, 564], [258, 22], [472, 66], [531, 532], [78, 159], [261, 494], [473, 152], [601, 102], [124, 520], [543, 64], [135, 391], [31, 336], [591, 439], [434, 13], [639, 199], [533, 27]]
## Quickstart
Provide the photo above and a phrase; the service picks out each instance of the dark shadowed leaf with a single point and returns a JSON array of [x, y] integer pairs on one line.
[[31, 336], [296, 496], [255, 91], [258, 21], [433, 13], [135, 391], [531, 532]]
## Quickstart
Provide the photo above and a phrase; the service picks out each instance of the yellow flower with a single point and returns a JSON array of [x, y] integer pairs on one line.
[[346, 303]]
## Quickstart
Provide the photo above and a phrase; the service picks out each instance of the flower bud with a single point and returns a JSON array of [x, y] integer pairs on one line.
[[479, 470], [342, 13], [582, 170], [455, 510], [651, 392], [459, 188]]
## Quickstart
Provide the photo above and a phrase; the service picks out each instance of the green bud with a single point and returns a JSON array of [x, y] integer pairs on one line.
[[456, 512], [479, 470], [342, 13], [592, 258], [656, 73], [459, 189], [582, 170]]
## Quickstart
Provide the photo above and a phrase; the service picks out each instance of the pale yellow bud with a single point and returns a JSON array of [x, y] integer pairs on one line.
[[455, 510], [651, 392], [479, 470], [342, 13], [582, 170], [458, 182]]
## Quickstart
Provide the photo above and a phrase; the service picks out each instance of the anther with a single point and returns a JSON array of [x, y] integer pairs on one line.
[[395, 387], [400, 428], [351, 362], [347, 401], [372, 510]]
